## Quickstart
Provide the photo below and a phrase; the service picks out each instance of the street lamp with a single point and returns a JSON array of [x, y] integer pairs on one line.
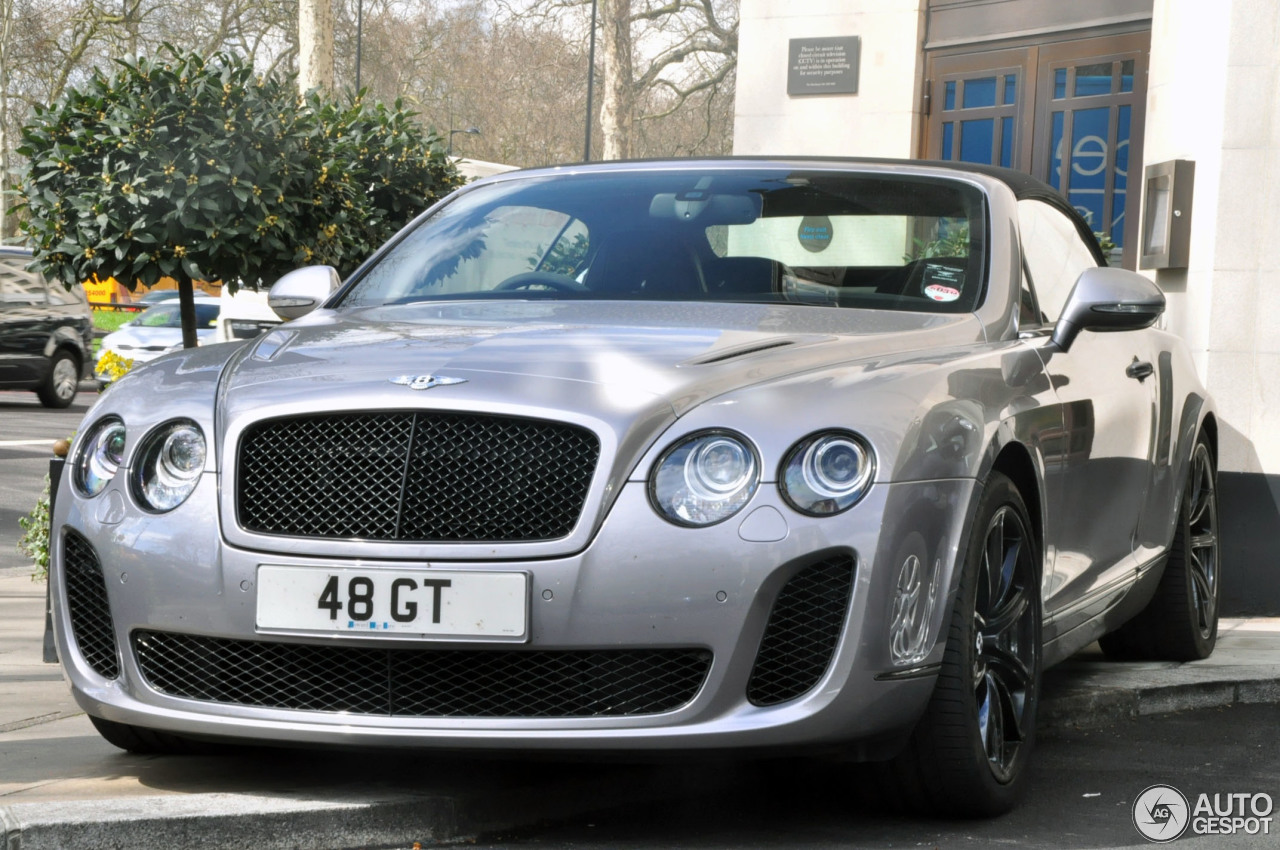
[[591, 68], [470, 131]]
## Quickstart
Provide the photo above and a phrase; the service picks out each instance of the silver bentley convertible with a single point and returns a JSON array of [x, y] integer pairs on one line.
[[750, 454]]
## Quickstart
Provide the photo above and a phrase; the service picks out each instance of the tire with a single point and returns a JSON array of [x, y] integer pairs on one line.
[[967, 756], [1180, 623], [150, 742], [59, 389]]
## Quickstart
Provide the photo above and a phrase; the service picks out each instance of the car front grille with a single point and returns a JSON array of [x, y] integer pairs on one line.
[[803, 629], [421, 682], [91, 625], [421, 477]]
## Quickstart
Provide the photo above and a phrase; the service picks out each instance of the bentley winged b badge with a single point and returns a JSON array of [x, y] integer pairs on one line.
[[426, 382]]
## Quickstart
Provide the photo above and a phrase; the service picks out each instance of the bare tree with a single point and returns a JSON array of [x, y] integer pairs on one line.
[[655, 56], [517, 69], [6, 28], [315, 44]]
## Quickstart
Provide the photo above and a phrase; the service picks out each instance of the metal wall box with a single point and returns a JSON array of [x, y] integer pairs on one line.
[[1166, 214]]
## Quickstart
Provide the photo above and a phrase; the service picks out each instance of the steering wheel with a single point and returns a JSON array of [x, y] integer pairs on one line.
[[530, 280]]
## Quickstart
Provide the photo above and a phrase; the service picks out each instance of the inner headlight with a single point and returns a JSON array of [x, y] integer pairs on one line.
[[826, 473], [705, 478], [99, 457], [169, 464]]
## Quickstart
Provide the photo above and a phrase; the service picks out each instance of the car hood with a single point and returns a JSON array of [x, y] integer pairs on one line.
[[584, 356]]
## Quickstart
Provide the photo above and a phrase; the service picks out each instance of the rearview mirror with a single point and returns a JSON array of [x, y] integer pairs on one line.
[[1107, 299], [302, 290], [708, 208]]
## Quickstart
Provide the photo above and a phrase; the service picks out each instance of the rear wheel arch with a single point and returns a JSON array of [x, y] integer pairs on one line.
[[1209, 427]]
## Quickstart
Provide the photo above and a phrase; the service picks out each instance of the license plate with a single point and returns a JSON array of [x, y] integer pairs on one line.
[[438, 604]]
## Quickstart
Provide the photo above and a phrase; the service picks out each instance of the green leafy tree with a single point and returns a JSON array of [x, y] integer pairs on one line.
[[203, 169]]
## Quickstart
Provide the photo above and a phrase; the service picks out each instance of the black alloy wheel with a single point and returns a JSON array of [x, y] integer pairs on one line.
[[1180, 623], [968, 754], [1006, 643]]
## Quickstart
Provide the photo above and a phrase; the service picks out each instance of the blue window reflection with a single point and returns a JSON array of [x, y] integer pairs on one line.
[[1093, 79], [949, 98], [1088, 164], [1055, 146], [947, 132], [1010, 89], [1122, 174], [977, 138], [1059, 83], [1126, 75], [979, 92], [1006, 142]]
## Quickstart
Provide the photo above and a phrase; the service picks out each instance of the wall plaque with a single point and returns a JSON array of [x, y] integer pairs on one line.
[[823, 65]]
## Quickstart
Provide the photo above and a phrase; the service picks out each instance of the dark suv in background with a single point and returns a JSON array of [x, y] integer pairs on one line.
[[45, 332]]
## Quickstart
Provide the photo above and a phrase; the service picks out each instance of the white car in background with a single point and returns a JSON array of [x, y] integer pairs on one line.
[[244, 315], [158, 329]]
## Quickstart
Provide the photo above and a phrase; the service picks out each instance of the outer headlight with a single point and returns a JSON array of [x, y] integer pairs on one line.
[[705, 478], [827, 473], [101, 451], [169, 464]]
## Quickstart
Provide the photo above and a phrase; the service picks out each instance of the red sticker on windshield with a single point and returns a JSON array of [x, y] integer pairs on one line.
[[938, 292]]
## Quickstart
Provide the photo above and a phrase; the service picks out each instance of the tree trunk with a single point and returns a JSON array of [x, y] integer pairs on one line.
[[315, 44], [6, 27], [617, 105], [187, 308]]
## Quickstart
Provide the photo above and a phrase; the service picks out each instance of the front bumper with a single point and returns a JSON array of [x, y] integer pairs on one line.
[[640, 586]]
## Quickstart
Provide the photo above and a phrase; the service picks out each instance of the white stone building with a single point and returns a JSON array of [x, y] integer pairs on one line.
[[1084, 94]]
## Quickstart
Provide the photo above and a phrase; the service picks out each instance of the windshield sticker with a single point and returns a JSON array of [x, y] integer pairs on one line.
[[815, 233], [943, 283], [938, 292]]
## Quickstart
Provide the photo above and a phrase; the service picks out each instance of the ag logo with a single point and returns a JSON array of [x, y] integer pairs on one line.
[[1161, 813]]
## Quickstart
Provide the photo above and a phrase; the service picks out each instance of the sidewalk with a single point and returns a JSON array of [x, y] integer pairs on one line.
[[61, 785]]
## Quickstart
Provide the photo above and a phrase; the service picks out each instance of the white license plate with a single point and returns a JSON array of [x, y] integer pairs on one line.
[[406, 603]]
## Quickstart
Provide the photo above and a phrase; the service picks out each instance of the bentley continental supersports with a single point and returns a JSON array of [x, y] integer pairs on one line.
[[751, 454]]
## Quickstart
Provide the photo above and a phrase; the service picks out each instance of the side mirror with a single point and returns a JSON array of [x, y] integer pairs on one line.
[[1108, 299], [302, 290]]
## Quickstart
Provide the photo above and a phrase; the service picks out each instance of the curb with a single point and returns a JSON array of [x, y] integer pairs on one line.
[[214, 821], [1083, 708]]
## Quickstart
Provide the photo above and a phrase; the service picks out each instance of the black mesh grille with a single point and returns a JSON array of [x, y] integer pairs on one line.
[[802, 632], [87, 601], [422, 682], [442, 477]]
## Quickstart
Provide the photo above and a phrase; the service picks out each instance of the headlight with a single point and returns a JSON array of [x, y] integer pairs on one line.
[[704, 478], [99, 457], [824, 474], [169, 464]]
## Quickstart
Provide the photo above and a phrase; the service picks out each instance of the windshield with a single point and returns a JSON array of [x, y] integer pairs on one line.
[[823, 238], [166, 315]]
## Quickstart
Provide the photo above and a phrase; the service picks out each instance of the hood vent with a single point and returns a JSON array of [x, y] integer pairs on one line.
[[723, 354]]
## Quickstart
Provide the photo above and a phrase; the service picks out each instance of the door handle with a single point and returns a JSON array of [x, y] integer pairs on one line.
[[1139, 369]]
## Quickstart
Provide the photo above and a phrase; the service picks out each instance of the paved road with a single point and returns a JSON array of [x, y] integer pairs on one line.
[[27, 433], [1081, 795]]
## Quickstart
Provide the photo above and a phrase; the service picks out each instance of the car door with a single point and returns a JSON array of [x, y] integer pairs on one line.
[[1099, 472], [24, 325]]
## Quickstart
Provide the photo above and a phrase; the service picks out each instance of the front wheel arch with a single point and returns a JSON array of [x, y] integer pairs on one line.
[[968, 755]]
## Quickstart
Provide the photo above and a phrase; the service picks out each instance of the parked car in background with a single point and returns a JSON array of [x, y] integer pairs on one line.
[[157, 295], [45, 332], [772, 454], [158, 329], [244, 315]]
